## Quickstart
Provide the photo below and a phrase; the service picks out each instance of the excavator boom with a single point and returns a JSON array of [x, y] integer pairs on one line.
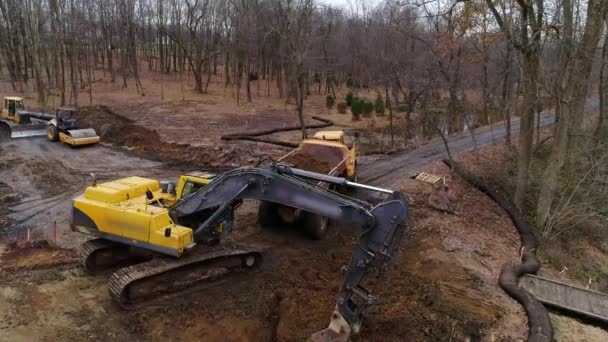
[[383, 225]]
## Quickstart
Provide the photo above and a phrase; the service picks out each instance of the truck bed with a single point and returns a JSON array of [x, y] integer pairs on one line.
[[319, 158]]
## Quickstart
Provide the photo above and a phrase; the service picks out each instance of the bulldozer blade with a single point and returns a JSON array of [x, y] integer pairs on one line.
[[8, 132], [5, 132], [16, 134]]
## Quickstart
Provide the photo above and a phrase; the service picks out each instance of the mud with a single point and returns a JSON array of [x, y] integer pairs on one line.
[[34, 255], [116, 129], [442, 285], [123, 132]]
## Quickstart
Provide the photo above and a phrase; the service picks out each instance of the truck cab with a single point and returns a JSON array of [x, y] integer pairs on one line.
[[336, 136]]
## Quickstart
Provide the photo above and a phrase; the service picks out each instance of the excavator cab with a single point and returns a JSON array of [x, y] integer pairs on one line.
[[64, 127]]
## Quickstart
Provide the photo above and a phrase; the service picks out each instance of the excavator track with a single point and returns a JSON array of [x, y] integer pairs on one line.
[[133, 285], [99, 256]]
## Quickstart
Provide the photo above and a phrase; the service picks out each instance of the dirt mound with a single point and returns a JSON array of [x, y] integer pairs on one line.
[[34, 255], [124, 132], [308, 162], [116, 129]]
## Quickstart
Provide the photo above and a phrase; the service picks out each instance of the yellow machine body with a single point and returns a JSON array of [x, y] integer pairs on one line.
[[65, 129], [80, 141], [10, 109], [121, 211]]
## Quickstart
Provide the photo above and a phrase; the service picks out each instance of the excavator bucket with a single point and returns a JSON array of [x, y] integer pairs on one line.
[[80, 137]]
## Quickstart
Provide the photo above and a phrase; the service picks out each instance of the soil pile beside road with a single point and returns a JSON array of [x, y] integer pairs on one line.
[[116, 129], [120, 131]]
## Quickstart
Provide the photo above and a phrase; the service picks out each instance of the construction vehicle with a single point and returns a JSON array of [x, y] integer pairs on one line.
[[64, 127], [16, 122], [326, 152], [180, 229]]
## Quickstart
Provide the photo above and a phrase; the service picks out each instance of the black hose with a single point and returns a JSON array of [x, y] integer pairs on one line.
[[539, 323]]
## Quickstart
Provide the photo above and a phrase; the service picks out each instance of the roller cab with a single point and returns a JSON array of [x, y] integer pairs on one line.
[[64, 127]]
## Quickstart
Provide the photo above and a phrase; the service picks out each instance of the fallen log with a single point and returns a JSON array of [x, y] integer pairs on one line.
[[267, 140], [253, 135], [539, 323]]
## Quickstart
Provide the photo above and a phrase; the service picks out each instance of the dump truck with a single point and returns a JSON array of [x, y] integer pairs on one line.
[[16, 122], [166, 238], [326, 152]]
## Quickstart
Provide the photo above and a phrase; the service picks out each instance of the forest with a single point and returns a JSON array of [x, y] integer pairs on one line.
[[409, 73]]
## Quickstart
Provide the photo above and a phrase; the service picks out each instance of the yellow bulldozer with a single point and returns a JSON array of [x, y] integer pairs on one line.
[[162, 237], [16, 122]]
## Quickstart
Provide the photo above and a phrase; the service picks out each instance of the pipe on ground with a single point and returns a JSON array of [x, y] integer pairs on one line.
[[254, 135], [539, 323]]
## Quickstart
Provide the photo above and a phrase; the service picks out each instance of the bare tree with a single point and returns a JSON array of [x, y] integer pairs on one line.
[[576, 61], [528, 43]]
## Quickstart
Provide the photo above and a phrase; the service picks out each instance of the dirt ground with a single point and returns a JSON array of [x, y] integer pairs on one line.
[[442, 286]]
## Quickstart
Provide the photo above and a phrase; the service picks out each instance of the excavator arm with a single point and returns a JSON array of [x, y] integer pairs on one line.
[[383, 225]]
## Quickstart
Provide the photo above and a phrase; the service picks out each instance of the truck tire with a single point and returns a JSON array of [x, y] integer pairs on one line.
[[314, 226], [52, 133], [268, 214], [354, 177]]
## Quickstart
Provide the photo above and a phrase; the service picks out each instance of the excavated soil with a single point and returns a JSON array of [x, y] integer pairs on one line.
[[308, 162], [123, 132], [5, 199], [116, 129], [442, 285], [34, 255]]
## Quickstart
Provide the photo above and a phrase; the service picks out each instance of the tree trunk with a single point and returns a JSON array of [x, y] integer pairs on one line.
[[248, 72], [390, 116], [300, 104], [601, 130], [571, 94], [526, 133]]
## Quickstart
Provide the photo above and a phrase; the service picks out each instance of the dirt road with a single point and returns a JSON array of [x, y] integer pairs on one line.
[[45, 177], [442, 285], [387, 171]]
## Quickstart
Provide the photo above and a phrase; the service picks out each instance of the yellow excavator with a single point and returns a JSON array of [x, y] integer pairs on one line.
[[162, 237]]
